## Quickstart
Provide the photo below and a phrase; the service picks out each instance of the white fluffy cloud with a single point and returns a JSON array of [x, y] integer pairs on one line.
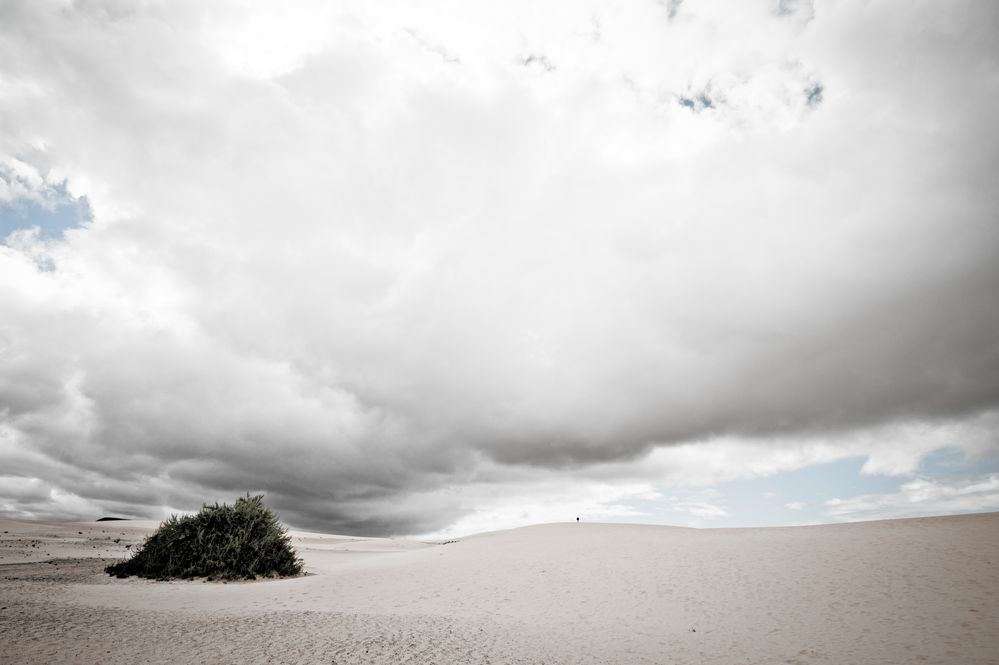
[[920, 497], [355, 255]]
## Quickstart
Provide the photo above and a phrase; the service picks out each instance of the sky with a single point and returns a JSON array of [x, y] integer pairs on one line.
[[443, 268]]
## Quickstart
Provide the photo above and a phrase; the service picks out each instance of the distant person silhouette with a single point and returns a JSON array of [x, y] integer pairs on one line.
[[577, 519]]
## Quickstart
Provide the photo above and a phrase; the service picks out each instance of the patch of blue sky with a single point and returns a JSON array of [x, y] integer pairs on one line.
[[951, 464], [52, 218], [697, 103], [770, 500], [799, 496], [813, 95]]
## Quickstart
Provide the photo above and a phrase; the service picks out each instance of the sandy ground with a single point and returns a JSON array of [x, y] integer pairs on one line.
[[901, 591]]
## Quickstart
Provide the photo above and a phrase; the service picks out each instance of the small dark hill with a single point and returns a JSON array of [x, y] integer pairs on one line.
[[241, 541], [112, 519]]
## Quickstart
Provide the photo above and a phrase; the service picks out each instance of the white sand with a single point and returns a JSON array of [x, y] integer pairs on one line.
[[901, 591]]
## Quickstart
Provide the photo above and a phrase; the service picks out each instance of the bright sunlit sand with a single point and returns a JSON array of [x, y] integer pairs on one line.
[[903, 591]]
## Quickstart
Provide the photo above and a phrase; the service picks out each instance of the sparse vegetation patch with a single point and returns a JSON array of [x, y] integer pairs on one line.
[[221, 542]]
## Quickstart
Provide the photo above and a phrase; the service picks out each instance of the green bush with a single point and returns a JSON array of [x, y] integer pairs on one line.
[[241, 541]]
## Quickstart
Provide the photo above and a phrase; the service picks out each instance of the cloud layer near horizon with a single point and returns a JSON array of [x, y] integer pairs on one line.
[[386, 264]]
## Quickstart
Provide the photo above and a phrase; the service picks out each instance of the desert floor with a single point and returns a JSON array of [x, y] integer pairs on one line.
[[901, 591]]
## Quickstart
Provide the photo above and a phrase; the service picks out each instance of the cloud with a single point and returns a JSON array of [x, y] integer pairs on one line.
[[795, 505], [507, 505], [355, 256], [920, 497]]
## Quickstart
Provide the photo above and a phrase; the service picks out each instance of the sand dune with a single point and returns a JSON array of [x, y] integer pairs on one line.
[[902, 591]]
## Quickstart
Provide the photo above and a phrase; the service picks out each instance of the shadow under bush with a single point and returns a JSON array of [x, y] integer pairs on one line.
[[241, 541]]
